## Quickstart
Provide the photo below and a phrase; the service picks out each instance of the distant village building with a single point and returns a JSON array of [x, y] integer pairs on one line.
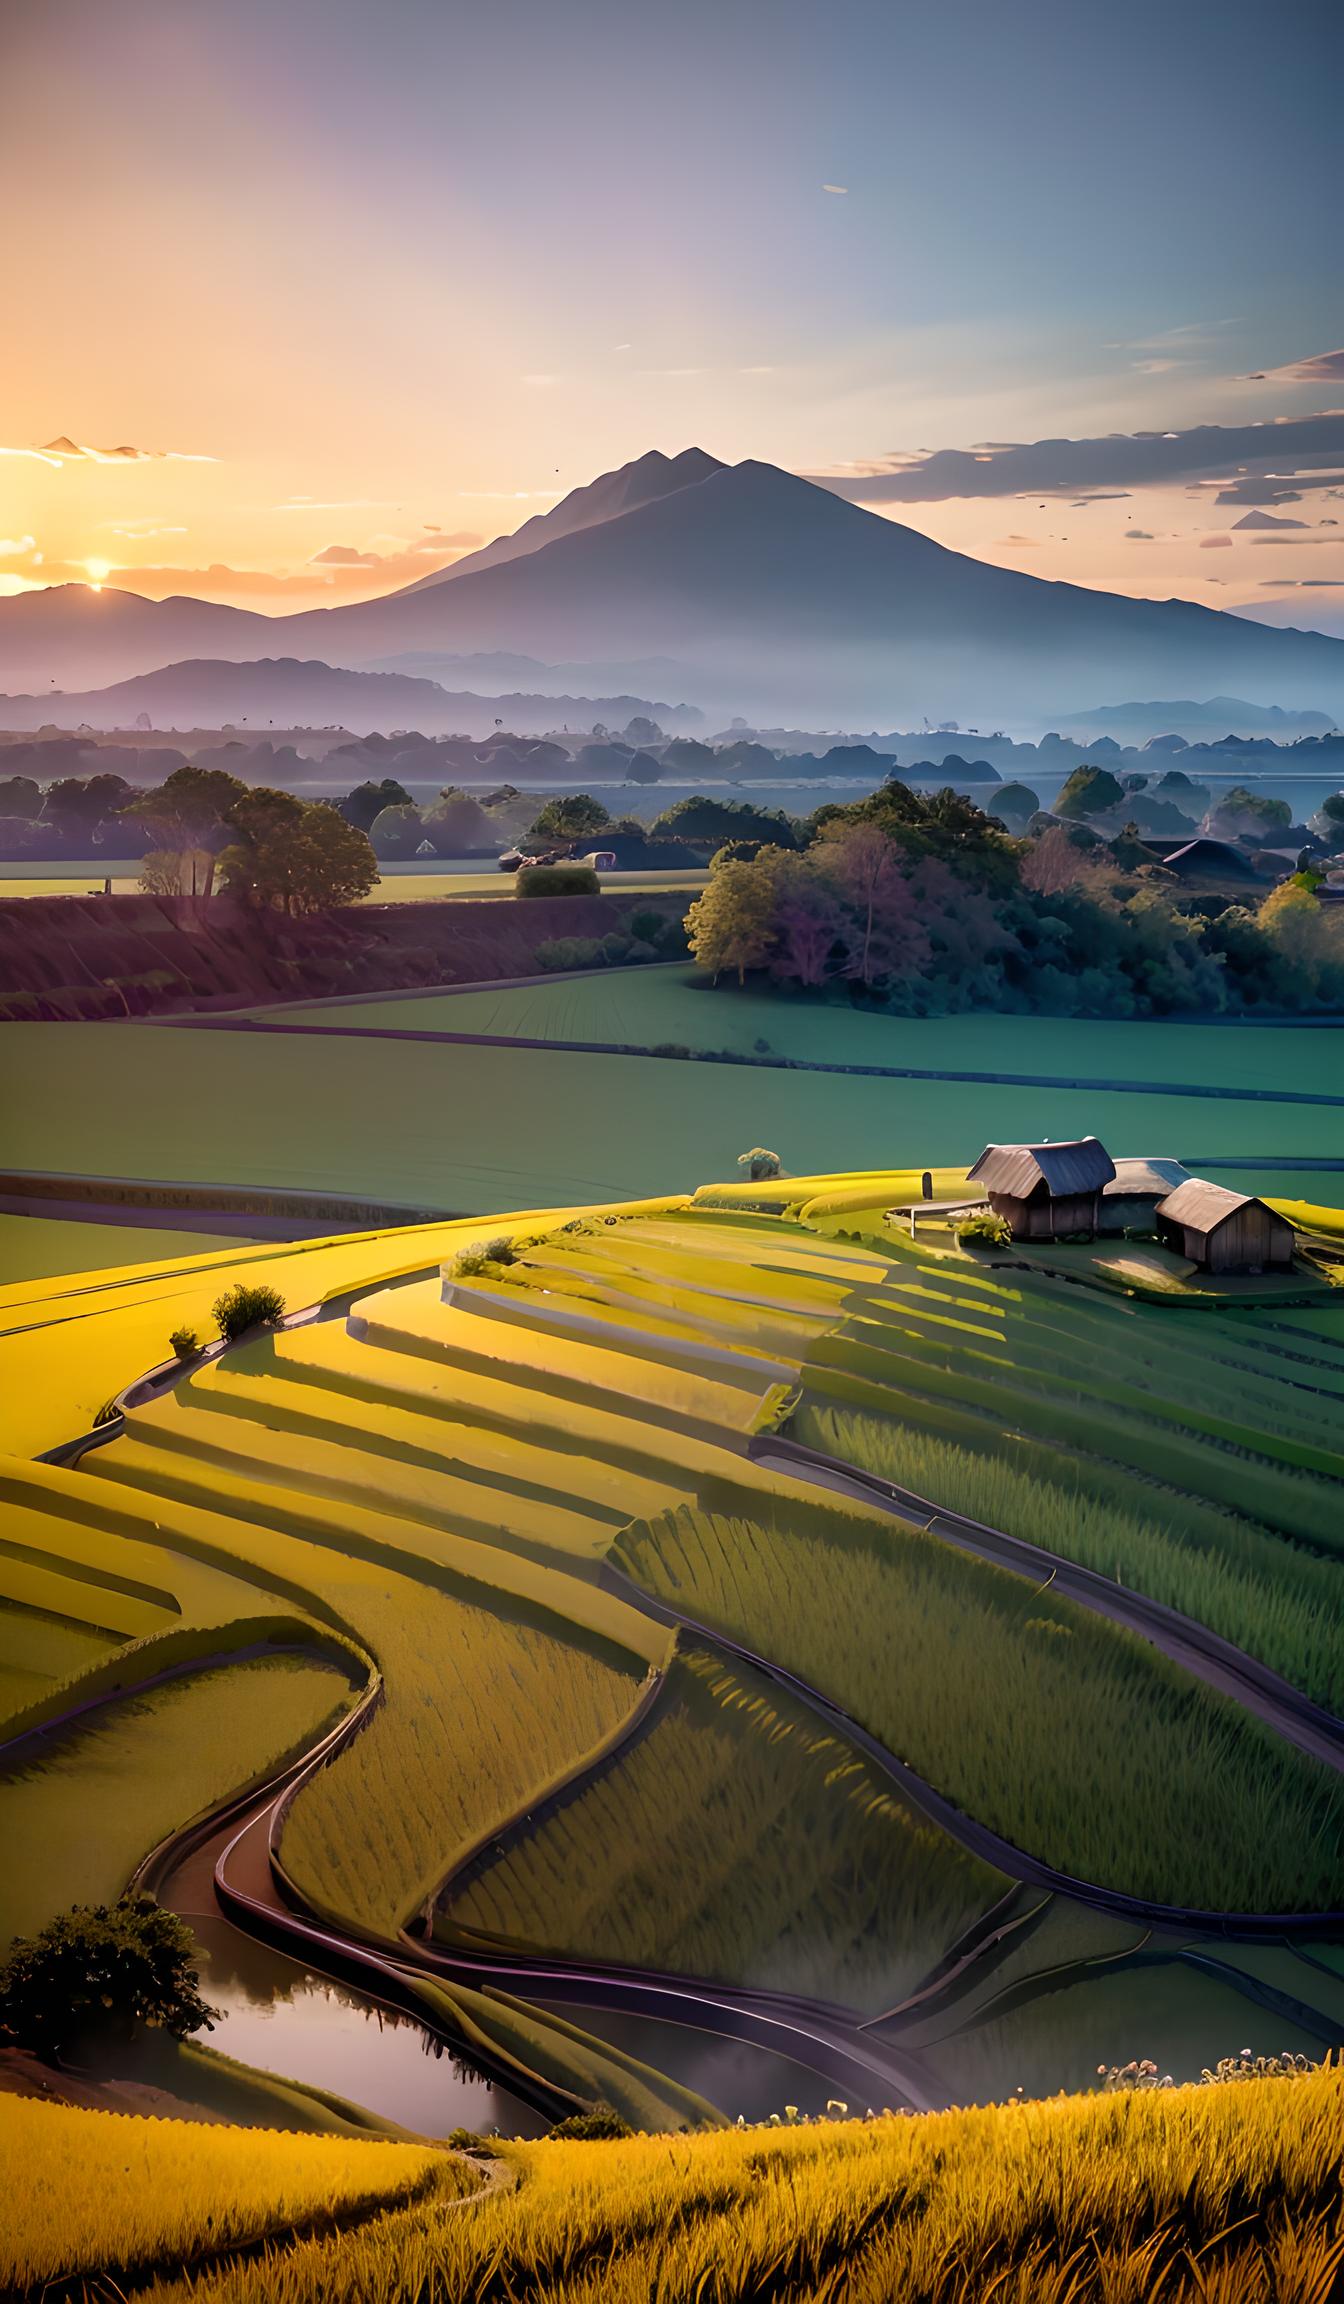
[[1222, 1230], [1046, 1191], [1129, 1202]]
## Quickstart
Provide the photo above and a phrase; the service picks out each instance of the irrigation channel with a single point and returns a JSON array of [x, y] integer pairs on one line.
[[746, 2049]]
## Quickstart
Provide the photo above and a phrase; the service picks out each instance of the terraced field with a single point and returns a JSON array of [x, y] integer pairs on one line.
[[634, 1676]]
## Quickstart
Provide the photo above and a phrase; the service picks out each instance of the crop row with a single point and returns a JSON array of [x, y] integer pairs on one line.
[[1072, 1739], [1275, 1601], [735, 1838]]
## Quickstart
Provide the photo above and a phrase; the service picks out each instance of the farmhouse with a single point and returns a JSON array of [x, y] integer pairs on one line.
[[1129, 1201], [1222, 1230], [1045, 1190]]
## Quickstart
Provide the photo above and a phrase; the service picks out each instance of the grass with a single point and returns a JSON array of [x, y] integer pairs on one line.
[[458, 1127], [1278, 1603], [1014, 1704], [1227, 2192], [83, 1806], [736, 1839], [110, 2195]]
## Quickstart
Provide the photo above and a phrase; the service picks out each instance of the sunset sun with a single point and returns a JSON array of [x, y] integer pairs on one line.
[[98, 572]]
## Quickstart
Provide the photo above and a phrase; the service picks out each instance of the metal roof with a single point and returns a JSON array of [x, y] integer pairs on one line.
[[1083, 1165], [1205, 1206], [1206, 855], [1150, 1175]]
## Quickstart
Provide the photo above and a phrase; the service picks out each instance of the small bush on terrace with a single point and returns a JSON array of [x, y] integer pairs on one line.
[[558, 880], [470, 1262], [601, 2125], [241, 1308], [983, 1229], [185, 1343], [101, 1969]]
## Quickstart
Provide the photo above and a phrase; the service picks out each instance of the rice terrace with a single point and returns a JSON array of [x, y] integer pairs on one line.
[[671, 1154]]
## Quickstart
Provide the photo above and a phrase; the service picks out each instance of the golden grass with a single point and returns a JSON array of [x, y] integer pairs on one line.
[[1227, 2194], [108, 2192]]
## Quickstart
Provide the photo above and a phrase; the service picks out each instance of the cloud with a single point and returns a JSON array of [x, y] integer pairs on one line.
[[1320, 368], [138, 531], [1019, 541], [1304, 583], [1216, 543], [841, 191], [1139, 536], [1280, 449], [15, 547], [1278, 487], [407, 560], [1267, 520], [67, 451]]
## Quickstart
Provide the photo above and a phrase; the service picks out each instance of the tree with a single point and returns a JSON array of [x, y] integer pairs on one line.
[[295, 855], [1014, 805], [100, 1971], [367, 802], [77, 805], [641, 730], [700, 817], [1241, 811], [20, 796], [186, 818], [1089, 792], [1055, 862], [397, 831], [571, 816], [1296, 924], [868, 868], [457, 824], [1328, 819], [731, 926]]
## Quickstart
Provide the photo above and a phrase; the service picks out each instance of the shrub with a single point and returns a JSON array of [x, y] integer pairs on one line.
[[983, 1229], [563, 952], [470, 1262], [600, 2125], [101, 1969], [759, 1164], [185, 1343], [241, 1308], [557, 880]]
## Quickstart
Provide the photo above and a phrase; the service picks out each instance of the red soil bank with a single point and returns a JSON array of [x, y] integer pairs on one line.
[[88, 956]]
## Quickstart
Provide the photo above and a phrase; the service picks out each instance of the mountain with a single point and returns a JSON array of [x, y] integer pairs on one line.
[[646, 481], [801, 605], [73, 635], [282, 693]]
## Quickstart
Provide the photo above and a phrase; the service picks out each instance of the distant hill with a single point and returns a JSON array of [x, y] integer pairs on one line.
[[1219, 716], [282, 693], [805, 604]]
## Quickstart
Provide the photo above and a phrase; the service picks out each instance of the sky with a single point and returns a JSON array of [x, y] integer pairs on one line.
[[364, 285]]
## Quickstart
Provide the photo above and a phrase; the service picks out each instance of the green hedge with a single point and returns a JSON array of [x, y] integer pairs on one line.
[[557, 880]]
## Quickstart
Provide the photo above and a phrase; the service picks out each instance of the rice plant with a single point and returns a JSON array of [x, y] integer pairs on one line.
[[1072, 1739], [735, 1838], [1278, 1603], [1228, 2193]]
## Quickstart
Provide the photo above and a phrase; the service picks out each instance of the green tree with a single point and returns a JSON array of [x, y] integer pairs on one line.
[[98, 1971], [571, 816], [1089, 792], [76, 805], [701, 817], [1253, 813], [397, 831], [367, 802], [295, 856], [186, 817], [732, 925], [458, 825]]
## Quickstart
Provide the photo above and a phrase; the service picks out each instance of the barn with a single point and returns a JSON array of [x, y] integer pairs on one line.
[[1222, 1230], [1045, 1191], [1129, 1201]]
